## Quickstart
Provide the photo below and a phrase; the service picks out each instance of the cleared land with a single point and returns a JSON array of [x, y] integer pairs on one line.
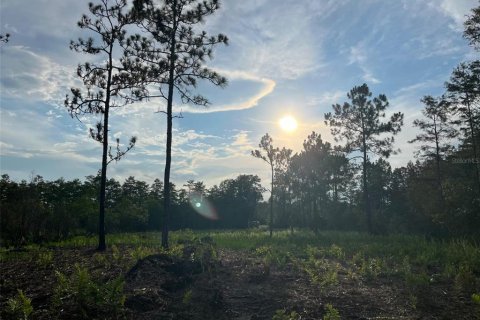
[[244, 275]]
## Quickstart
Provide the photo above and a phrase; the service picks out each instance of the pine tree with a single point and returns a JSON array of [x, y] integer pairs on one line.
[[107, 84], [360, 124], [463, 93], [173, 55], [269, 154], [435, 129]]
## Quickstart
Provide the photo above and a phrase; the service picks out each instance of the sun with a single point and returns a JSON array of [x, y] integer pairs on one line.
[[288, 123]]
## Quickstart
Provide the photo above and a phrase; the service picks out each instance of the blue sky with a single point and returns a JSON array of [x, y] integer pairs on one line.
[[294, 57]]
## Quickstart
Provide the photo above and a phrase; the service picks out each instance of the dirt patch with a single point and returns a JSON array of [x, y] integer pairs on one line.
[[234, 285]]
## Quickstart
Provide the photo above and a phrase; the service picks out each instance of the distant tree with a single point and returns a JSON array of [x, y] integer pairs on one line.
[[282, 161], [316, 174], [269, 154], [236, 200], [360, 124], [472, 28], [107, 84], [175, 55], [463, 91], [436, 131]]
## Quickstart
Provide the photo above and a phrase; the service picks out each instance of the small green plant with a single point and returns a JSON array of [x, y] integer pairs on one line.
[[45, 258], [282, 314], [79, 291], [371, 268], [335, 252], [187, 296], [413, 299], [322, 272], [116, 253], [19, 307], [202, 250], [101, 259], [476, 298], [465, 280], [141, 252], [331, 313]]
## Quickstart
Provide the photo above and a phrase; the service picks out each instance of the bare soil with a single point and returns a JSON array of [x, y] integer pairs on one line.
[[238, 285]]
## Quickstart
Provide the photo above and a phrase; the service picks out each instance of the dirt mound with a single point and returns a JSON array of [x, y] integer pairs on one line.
[[170, 287], [156, 282]]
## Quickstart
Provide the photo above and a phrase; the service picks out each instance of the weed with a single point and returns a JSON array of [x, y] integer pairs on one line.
[[80, 292], [476, 298], [45, 258], [371, 268], [141, 252], [331, 313], [282, 314], [322, 272], [465, 280], [187, 296], [335, 252], [19, 307], [413, 301]]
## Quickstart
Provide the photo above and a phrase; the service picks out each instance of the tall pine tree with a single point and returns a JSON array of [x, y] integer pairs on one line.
[[359, 124], [106, 84], [174, 54]]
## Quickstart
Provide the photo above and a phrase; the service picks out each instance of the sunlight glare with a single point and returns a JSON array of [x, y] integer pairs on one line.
[[288, 123]]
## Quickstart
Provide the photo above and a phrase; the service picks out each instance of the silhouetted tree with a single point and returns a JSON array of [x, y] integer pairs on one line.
[[360, 124], [436, 131], [108, 84], [175, 54], [472, 28], [282, 164], [269, 154], [463, 91]]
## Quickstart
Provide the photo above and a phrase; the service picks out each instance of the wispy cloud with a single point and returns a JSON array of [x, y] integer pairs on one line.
[[267, 87], [358, 56]]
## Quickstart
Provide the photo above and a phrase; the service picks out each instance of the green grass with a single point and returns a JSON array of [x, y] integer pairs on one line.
[[367, 255]]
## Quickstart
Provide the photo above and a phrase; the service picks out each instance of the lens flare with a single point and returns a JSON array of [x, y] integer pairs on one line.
[[202, 206]]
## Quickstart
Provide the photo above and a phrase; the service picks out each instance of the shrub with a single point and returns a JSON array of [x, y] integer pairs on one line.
[[19, 307], [331, 313]]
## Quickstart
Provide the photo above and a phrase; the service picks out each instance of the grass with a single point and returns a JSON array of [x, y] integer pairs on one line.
[[372, 254], [416, 261]]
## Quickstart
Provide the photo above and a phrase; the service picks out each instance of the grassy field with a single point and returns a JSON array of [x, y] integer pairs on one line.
[[244, 275]]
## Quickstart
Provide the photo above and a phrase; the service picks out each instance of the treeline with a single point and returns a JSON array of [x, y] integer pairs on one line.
[[39, 210], [324, 186], [322, 189]]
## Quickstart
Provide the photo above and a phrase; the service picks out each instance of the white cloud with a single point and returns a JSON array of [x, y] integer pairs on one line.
[[457, 11], [29, 75], [267, 88], [272, 39], [326, 99], [358, 55]]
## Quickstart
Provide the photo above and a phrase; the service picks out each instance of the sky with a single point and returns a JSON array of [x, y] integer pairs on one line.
[[285, 57]]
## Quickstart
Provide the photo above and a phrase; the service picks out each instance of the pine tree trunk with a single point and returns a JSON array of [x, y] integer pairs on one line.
[[474, 146], [366, 197], [168, 160], [271, 207], [437, 160], [103, 178]]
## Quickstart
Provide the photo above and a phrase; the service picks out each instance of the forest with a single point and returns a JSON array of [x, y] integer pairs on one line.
[[336, 232]]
